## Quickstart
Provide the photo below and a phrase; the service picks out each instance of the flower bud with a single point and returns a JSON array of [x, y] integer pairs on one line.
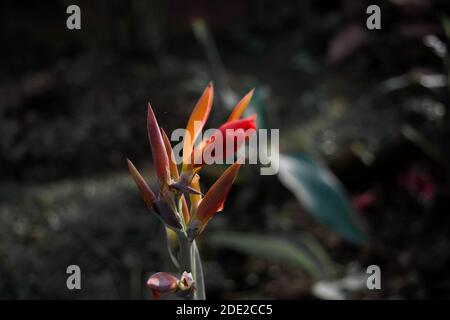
[[186, 285], [187, 281], [162, 283]]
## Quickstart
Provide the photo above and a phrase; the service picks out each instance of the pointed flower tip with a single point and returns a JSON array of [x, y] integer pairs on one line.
[[241, 106], [249, 95], [150, 112], [159, 153], [147, 194], [196, 122]]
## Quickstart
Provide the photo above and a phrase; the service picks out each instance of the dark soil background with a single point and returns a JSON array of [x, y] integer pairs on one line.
[[365, 102]]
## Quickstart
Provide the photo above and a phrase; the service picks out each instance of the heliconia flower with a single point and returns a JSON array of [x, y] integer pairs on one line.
[[162, 283], [166, 205], [159, 153], [146, 192], [213, 201], [196, 123]]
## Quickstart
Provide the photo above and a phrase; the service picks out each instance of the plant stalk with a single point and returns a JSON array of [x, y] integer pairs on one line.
[[190, 259]]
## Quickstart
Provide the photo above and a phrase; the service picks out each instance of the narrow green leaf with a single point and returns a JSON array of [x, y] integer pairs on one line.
[[271, 248], [321, 194], [258, 106]]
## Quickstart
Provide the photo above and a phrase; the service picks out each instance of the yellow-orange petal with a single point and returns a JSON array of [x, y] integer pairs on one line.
[[198, 116], [170, 155], [213, 201], [159, 153], [241, 106], [195, 198], [146, 192]]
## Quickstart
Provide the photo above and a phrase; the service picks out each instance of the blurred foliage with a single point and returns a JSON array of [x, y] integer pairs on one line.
[[321, 193], [308, 255]]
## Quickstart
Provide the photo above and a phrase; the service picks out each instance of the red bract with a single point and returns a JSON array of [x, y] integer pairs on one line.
[[229, 138]]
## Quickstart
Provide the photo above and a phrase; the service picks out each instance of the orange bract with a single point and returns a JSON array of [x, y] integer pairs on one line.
[[240, 107], [213, 201], [198, 116]]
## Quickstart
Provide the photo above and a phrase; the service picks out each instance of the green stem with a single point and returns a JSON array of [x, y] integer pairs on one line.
[[200, 292], [185, 253], [190, 259], [190, 262]]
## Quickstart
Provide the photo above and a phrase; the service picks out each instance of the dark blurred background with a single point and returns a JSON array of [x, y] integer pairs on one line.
[[369, 106]]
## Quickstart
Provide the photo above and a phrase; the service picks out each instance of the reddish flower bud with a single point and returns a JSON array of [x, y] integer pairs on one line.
[[162, 283]]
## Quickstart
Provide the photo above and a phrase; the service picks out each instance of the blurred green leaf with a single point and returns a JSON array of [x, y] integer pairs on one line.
[[321, 194], [446, 24], [258, 106], [307, 255]]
